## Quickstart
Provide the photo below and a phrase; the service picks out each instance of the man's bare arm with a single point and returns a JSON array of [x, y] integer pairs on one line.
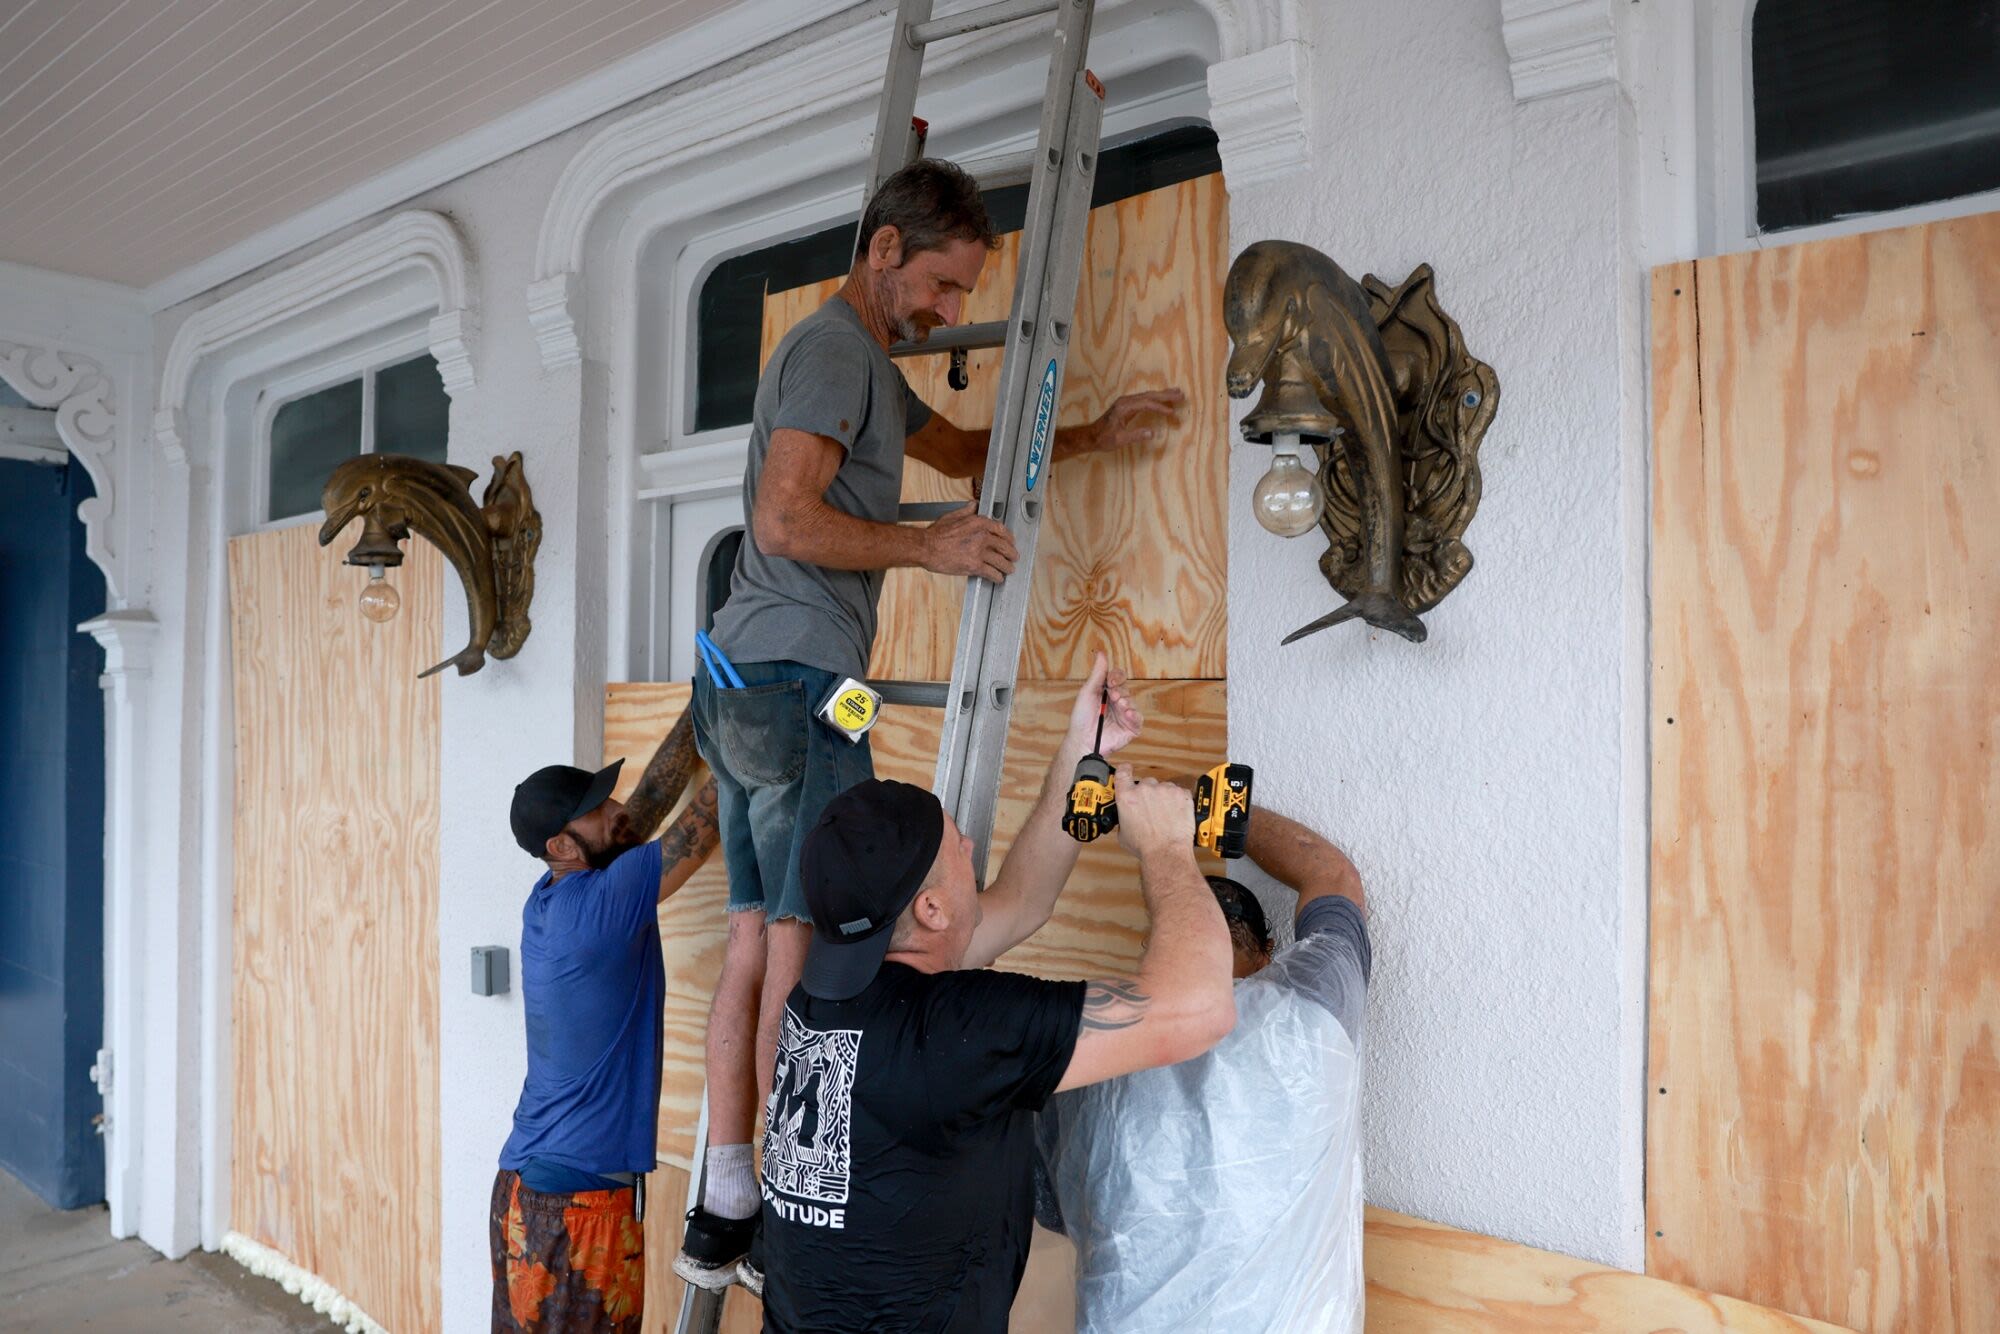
[[666, 777], [1182, 1001], [1134, 419], [1023, 892], [793, 520], [689, 840], [1297, 857]]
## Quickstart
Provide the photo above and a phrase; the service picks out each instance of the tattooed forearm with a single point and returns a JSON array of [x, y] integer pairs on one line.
[[689, 840], [1113, 1003], [666, 777]]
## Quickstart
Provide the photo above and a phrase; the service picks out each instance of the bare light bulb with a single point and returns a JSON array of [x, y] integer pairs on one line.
[[379, 599], [1289, 497]]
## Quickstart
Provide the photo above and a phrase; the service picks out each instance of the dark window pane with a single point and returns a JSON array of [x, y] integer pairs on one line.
[[310, 437], [1868, 105], [729, 312], [412, 411]]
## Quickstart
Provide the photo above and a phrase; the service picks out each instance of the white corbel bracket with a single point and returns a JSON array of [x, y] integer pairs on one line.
[[552, 313], [86, 407], [453, 335], [1260, 105], [1558, 46]]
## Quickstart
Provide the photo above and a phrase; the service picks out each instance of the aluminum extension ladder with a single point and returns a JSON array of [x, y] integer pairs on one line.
[[1060, 172]]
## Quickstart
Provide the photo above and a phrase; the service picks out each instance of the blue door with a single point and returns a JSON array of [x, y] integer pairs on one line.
[[51, 836]]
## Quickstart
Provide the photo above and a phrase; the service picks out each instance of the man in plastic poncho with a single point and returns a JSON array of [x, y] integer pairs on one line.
[[1224, 1193]]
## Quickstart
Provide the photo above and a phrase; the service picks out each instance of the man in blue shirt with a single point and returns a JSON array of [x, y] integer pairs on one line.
[[568, 1248]]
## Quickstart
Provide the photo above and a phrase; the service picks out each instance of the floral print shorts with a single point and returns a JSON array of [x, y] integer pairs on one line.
[[566, 1264]]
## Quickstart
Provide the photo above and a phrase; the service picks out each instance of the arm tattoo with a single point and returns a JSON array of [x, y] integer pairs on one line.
[[1112, 1003], [693, 834], [666, 777]]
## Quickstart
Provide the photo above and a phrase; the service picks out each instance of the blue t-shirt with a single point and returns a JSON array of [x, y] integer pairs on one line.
[[592, 983]]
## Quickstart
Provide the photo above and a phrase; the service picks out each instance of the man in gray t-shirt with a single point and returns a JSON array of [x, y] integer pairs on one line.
[[832, 424], [1224, 1193]]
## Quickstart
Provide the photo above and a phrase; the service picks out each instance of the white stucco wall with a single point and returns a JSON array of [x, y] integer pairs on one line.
[[1481, 780]]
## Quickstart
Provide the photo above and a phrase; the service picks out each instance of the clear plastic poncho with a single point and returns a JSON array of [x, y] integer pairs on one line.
[[1224, 1193]]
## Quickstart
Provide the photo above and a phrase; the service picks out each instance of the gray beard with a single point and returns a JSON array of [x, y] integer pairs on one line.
[[909, 331]]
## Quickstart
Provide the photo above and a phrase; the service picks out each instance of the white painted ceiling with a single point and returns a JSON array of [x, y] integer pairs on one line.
[[140, 136]]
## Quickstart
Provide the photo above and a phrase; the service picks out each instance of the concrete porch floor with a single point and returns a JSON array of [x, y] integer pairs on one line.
[[63, 1271]]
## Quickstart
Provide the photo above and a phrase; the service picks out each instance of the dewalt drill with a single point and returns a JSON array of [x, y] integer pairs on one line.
[[1221, 802]]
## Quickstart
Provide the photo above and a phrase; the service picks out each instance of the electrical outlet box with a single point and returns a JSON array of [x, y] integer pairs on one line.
[[489, 970]]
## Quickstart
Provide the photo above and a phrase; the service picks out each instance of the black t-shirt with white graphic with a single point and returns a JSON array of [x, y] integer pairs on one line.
[[898, 1150]]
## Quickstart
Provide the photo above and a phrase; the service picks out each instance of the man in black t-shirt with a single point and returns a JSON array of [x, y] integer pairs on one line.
[[899, 1136]]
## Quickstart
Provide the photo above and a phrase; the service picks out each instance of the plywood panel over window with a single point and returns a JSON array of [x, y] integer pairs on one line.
[[334, 1158], [1824, 1134], [1099, 923], [1131, 556]]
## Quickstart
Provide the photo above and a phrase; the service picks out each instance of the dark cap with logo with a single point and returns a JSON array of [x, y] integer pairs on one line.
[[862, 862], [550, 798]]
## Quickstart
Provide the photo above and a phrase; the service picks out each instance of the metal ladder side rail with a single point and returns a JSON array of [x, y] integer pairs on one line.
[[987, 656], [701, 1309]]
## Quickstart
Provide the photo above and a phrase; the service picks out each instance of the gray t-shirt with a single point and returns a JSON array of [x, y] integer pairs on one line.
[[828, 377]]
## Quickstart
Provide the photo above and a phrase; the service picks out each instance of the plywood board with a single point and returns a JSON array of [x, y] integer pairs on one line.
[[1824, 1128], [1099, 924], [1426, 1278], [1132, 551], [334, 1158]]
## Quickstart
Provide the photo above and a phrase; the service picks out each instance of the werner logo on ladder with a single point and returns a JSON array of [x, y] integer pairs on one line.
[[775, 710]]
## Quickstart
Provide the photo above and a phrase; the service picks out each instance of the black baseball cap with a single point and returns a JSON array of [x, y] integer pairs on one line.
[[1238, 904], [550, 798], [862, 862]]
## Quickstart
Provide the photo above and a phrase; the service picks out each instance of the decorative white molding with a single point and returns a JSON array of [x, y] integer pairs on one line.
[[417, 239], [127, 638], [86, 404], [810, 81], [688, 472], [1260, 106], [302, 1283], [452, 336], [1558, 46], [554, 307]]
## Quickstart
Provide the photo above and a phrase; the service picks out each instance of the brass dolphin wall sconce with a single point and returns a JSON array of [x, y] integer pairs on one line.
[[1380, 378], [492, 545]]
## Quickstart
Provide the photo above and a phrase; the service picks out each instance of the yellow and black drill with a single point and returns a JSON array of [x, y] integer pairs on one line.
[[1221, 802]]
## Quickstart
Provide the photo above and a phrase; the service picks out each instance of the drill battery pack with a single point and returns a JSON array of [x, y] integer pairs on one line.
[[1222, 809]]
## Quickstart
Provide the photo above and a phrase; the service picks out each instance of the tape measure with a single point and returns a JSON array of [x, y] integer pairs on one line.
[[851, 709]]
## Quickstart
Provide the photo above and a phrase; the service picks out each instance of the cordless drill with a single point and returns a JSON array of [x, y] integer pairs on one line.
[[1221, 802]]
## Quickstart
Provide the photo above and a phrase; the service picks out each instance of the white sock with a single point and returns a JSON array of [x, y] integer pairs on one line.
[[729, 1181]]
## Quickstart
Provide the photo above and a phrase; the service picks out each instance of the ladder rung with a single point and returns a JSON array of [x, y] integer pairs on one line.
[[991, 333], [1002, 170], [929, 694], [927, 511], [972, 20]]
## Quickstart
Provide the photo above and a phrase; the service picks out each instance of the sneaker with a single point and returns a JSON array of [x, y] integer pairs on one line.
[[712, 1247]]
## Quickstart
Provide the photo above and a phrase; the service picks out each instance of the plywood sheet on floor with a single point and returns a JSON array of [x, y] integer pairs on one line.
[[1132, 551], [1426, 1278], [1824, 1128], [1099, 922], [334, 1159]]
